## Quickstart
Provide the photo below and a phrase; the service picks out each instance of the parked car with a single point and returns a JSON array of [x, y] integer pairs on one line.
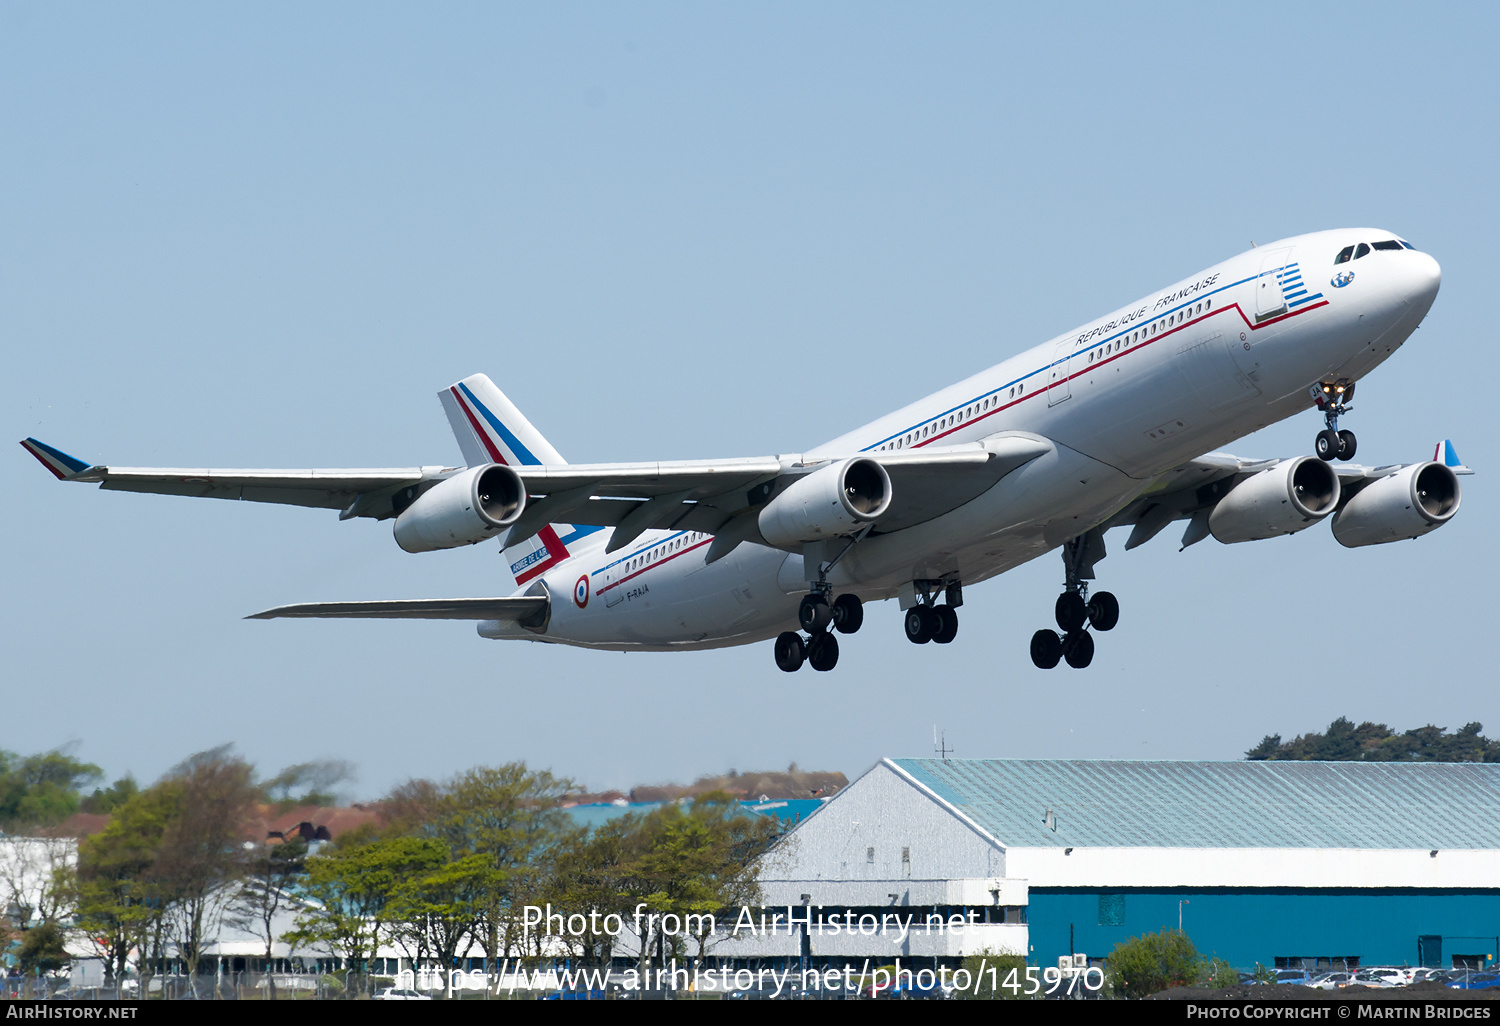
[[400, 994]]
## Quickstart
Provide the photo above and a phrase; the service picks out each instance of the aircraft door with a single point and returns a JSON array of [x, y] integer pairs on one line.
[[1058, 386], [613, 595], [1270, 301]]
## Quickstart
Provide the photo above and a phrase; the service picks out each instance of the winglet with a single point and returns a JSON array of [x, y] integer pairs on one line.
[[1448, 457], [61, 464]]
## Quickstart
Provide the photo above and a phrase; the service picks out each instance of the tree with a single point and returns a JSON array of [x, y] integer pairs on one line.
[[198, 863], [308, 783], [991, 972], [504, 823], [119, 901], [1376, 742], [40, 790], [587, 876], [42, 949], [439, 906], [691, 861], [165, 866], [1154, 962], [354, 885], [107, 799], [269, 875]]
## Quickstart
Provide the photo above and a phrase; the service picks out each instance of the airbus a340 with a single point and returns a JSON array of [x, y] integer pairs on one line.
[[1106, 426]]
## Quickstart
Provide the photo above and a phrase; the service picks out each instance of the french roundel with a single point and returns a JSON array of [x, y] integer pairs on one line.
[[581, 592]]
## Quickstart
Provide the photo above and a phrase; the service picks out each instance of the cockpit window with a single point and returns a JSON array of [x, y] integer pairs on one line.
[[1407, 245], [1344, 255], [1363, 250], [1388, 244]]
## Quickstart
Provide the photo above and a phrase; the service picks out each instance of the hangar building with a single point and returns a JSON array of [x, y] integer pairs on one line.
[[1292, 863]]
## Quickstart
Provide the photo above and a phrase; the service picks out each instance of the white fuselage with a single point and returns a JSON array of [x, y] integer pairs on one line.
[[1122, 399]]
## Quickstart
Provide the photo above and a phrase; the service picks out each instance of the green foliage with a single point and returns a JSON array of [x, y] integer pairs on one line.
[[1154, 962], [1219, 973], [990, 971], [1264, 973], [355, 886], [1375, 742], [42, 949], [308, 783], [162, 866], [40, 790], [119, 900], [106, 800]]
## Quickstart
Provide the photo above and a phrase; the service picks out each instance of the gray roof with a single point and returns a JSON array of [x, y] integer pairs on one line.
[[1222, 804]]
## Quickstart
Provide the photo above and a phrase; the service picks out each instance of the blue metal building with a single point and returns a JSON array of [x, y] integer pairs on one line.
[[1261, 862]]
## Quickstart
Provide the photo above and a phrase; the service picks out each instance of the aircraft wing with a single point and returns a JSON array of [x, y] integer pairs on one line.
[[1190, 491], [694, 495], [722, 497], [354, 492]]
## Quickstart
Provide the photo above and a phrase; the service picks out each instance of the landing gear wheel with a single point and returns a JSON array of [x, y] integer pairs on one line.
[[823, 652], [814, 614], [848, 614], [789, 651], [1327, 444], [1346, 445], [1071, 611], [919, 625], [947, 629], [1104, 611], [1078, 649], [1046, 649]]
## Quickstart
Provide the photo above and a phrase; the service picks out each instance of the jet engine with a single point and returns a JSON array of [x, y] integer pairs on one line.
[[1408, 504], [1284, 499], [830, 502], [463, 509]]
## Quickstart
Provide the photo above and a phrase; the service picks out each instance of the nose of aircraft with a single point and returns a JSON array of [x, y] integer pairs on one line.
[[1424, 276]]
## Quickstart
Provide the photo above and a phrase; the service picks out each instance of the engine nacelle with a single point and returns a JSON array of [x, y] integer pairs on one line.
[[464, 509], [1408, 504], [1287, 498], [828, 503]]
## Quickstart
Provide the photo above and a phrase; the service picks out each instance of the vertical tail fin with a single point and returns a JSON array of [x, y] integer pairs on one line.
[[490, 429], [1445, 454]]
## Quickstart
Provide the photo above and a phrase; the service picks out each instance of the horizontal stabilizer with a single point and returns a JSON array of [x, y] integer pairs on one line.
[[522, 609]]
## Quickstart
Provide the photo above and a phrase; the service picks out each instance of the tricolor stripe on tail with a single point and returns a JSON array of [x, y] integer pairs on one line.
[[490, 429], [60, 463]]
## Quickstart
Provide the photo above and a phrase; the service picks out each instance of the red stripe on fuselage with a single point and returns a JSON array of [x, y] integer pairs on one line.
[[652, 566], [1135, 348]]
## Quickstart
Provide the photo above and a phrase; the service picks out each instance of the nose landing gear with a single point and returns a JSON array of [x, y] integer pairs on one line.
[[1334, 398], [1076, 611]]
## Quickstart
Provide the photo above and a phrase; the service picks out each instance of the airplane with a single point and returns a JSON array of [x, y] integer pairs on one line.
[[1114, 424]]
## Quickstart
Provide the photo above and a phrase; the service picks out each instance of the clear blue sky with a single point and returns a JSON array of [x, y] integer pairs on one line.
[[265, 235]]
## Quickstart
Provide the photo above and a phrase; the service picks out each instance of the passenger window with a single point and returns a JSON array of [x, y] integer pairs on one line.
[[1363, 250], [1345, 255]]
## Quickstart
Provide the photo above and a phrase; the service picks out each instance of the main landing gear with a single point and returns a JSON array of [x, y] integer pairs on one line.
[[927, 621], [1076, 611], [1334, 398], [845, 614]]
